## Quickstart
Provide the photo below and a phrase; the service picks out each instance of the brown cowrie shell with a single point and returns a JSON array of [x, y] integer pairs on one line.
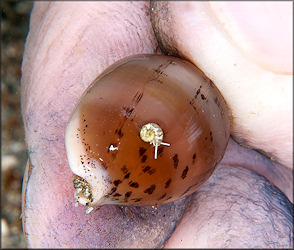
[[149, 130]]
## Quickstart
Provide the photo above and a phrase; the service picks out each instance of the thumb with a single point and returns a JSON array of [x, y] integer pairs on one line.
[[219, 39]]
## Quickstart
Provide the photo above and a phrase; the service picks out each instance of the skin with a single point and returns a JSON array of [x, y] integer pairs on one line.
[[70, 44], [244, 68]]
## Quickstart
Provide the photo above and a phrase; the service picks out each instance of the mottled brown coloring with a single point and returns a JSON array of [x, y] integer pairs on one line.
[[160, 151], [152, 171], [137, 98], [145, 169], [211, 137], [167, 183], [104, 165], [142, 151], [133, 184], [176, 161], [185, 171], [144, 158], [117, 182], [124, 169], [150, 189], [136, 199], [161, 197], [112, 190], [119, 133], [128, 194], [194, 158], [216, 101]]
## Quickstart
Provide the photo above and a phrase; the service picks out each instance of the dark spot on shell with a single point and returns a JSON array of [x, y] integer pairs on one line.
[[119, 133], [137, 98], [168, 198], [142, 151], [103, 164], [176, 161], [150, 189], [197, 93], [194, 158], [128, 111], [185, 171], [136, 199], [216, 101], [124, 169], [133, 184], [116, 195], [161, 197], [152, 171], [160, 151], [203, 97], [144, 158], [146, 169], [117, 182], [127, 176], [211, 83], [128, 194], [167, 183], [112, 190]]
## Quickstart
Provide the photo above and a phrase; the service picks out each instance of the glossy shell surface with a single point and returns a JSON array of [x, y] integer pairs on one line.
[[103, 140]]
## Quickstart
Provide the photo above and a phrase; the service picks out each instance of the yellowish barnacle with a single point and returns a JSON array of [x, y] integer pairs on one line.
[[151, 132]]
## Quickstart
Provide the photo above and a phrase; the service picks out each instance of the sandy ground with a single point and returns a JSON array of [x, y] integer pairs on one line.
[[14, 28]]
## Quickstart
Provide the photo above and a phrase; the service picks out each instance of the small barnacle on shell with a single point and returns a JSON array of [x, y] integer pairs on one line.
[[151, 132], [145, 98]]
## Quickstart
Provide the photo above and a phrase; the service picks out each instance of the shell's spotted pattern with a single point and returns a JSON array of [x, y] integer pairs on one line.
[[146, 98]]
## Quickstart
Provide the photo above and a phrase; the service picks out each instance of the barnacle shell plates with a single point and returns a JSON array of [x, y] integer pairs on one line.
[[113, 163]]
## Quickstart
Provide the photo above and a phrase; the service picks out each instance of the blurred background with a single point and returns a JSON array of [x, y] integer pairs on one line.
[[14, 29]]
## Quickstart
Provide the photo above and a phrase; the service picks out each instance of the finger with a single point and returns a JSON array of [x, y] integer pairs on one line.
[[235, 208], [263, 30], [67, 47], [280, 176], [260, 101]]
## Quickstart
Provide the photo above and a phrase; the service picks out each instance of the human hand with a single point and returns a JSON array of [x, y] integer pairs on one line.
[[69, 44]]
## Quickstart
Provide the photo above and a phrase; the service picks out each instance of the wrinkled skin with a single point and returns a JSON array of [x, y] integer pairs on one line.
[[69, 44]]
